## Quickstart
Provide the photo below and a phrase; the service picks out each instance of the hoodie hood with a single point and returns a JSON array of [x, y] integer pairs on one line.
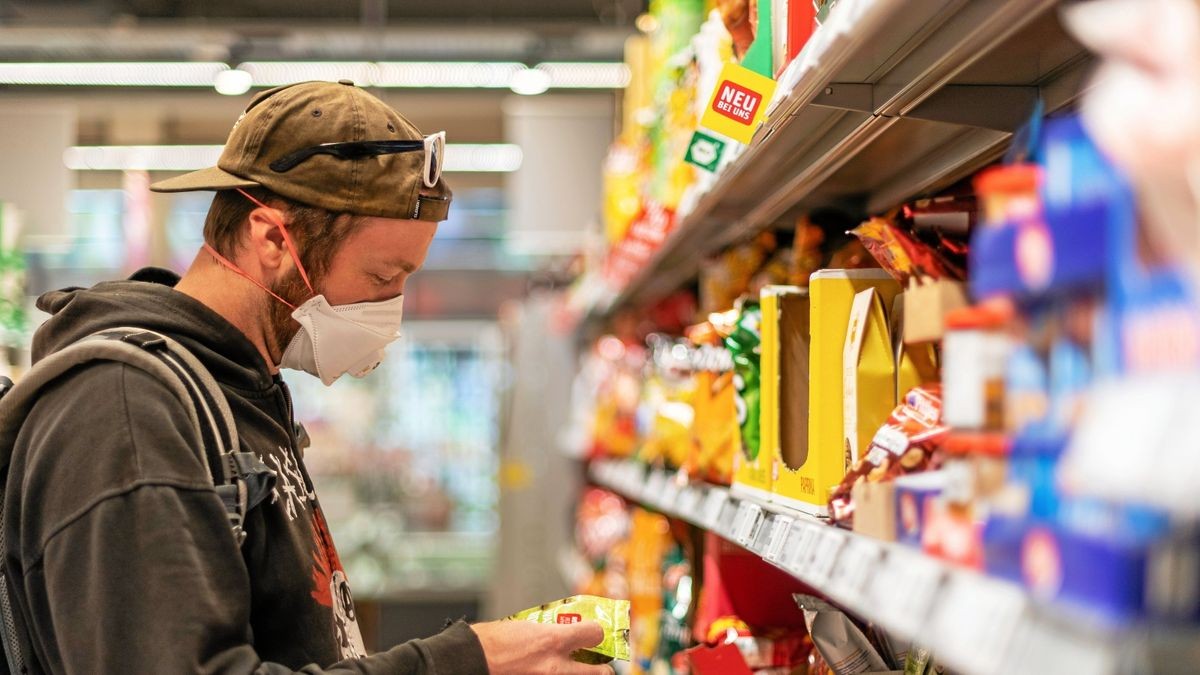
[[149, 300]]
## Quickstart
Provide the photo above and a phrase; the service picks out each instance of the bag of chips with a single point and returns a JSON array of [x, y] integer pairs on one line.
[[612, 615]]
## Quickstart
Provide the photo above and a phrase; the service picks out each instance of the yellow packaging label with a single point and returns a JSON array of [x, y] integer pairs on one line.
[[738, 103], [612, 615]]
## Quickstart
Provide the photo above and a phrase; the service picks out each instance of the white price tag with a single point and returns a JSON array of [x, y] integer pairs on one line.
[[859, 558], [974, 620], [825, 555], [713, 505], [670, 495], [727, 520], [781, 527], [753, 532], [795, 556], [652, 489], [688, 504], [746, 523], [904, 589]]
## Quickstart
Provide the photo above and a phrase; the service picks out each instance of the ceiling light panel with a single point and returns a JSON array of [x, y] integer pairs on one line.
[[127, 74]]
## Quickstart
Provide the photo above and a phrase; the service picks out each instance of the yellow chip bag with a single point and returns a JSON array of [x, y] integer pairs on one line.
[[612, 615]]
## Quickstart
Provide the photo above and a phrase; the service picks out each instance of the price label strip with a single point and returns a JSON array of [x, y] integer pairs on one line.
[[974, 621], [689, 503], [747, 523], [1043, 645], [825, 555], [670, 494], [859, 558], [727, 520], [653, 488], [904, 590], [781, 528], [714, 504], [796, 555]]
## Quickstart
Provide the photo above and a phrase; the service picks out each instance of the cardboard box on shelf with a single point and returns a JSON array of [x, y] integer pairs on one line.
[[868, 374], [916, 362], [875, 510], [804, 482], [784, 320], [926, 305]]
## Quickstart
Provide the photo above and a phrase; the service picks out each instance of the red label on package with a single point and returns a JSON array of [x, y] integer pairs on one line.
[[736, 102], [569, 618]]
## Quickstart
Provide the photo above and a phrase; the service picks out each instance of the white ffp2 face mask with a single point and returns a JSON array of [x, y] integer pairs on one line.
[[336, 340]]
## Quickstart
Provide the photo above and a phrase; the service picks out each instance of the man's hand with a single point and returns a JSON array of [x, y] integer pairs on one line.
[[523, 648]]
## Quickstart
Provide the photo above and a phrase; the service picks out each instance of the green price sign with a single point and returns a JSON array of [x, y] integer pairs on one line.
[[705, 151]]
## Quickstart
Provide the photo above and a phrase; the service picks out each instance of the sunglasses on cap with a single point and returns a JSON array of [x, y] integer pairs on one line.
[[433, 145]]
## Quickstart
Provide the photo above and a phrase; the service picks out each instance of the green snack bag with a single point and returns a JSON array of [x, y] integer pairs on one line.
[[612, 615], [745, 343]]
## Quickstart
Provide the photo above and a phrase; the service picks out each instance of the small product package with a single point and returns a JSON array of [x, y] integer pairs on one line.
[[845, 648], [612, 615]]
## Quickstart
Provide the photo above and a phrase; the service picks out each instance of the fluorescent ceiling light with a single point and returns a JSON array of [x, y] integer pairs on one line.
[[233, 82], [276, 73], [465, 75], [586, 75], [407, 74], [530, 82], [126, 74], [460, 157]]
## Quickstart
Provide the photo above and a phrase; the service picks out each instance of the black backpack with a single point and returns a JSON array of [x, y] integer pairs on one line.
[[240, 479]]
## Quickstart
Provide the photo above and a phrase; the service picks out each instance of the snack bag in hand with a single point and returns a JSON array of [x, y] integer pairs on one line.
[[612, 615]]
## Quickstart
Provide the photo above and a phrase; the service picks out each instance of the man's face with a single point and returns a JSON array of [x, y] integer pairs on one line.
[[371, 265]]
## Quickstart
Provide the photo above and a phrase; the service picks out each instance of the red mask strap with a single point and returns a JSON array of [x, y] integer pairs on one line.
[[236, 270], [287, 241]]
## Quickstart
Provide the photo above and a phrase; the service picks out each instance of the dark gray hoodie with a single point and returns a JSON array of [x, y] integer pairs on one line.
[[123, 552]]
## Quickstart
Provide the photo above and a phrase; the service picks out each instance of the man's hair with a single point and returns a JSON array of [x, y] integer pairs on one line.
[[318, 233]]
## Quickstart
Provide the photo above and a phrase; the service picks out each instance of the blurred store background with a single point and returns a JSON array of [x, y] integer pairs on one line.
[[419, 466]]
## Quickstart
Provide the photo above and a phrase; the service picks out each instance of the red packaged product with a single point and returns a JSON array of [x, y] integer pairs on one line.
[[903, 445]]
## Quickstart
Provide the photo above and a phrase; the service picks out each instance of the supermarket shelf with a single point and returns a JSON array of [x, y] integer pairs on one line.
[[973, 623], [890, 100]]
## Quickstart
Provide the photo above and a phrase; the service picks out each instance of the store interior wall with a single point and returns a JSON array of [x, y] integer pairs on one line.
[[539, 483]]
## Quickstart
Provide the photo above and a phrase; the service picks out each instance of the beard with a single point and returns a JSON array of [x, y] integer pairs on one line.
[[281, 326]]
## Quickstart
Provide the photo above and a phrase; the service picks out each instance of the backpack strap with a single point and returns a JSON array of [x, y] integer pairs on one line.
[[240, 479]]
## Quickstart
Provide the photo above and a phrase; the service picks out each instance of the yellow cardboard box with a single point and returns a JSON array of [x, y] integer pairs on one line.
[[868, 374], [805, 482], [782, 307]]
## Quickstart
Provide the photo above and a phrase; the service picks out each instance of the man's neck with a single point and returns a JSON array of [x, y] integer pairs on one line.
[[233, 297]]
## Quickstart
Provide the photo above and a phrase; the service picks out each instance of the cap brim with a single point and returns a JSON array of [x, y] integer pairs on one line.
[[211, 178]]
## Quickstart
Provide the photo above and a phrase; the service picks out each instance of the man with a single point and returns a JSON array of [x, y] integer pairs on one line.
[[123, 556]]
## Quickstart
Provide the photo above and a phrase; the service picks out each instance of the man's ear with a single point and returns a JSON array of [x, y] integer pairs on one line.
[[266, 242]]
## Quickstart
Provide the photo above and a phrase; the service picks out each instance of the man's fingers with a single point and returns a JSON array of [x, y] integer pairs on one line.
[[584, 669], [582, 635]]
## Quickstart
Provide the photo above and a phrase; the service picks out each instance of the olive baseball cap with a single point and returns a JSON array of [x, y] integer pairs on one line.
[[292, 118]]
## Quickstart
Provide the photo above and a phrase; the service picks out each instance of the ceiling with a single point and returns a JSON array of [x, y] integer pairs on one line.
[[606, 12], [375, 30]]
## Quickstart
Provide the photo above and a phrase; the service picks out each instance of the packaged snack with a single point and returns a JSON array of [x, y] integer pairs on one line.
[[727, 277], [900, 254], [677, 606], [612, 615], [902, 446], [602, 520], [744, 343], [842, 644], [650, 538], [919, 659]]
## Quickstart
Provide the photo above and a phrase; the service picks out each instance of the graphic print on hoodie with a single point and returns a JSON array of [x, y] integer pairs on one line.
[[300, 610]]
